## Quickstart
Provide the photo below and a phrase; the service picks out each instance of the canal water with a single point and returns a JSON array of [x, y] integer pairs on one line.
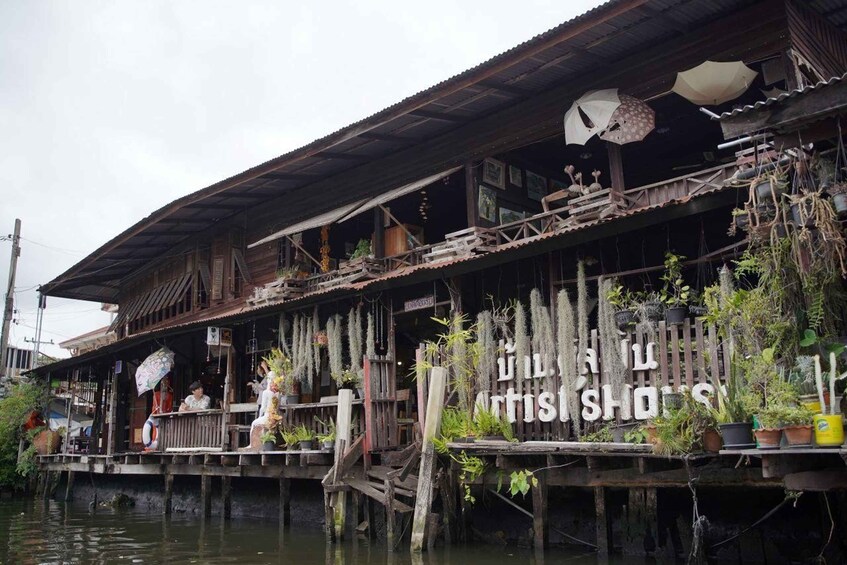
[[51, 532]]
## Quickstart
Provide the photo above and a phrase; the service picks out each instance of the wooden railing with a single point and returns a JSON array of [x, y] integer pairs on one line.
[[308, 415], [200, 430]]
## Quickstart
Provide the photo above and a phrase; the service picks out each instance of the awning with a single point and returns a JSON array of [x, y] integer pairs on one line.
[[344, 213], [315, 222]]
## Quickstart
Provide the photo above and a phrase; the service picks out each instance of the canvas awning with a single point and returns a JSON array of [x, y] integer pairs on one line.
[[348, 211]]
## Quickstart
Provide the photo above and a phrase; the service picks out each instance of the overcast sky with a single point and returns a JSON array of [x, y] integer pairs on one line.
[[111, 109]]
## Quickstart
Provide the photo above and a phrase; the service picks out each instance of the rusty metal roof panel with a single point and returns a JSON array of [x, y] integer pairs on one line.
[[784, 96]]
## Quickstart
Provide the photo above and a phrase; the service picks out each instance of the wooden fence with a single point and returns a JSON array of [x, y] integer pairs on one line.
[[200, 431], [687, 354], [380, 383], [316, 416]]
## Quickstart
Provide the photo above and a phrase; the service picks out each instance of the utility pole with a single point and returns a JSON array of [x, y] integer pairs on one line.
[[39, 321], [10, 297]]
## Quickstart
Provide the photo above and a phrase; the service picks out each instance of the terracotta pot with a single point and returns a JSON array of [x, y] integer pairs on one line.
[[652, 434], [47, 442], [712, 441], [798, 435], [768, 438]]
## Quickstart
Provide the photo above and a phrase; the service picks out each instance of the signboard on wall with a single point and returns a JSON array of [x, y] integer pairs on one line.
[[419, 303]]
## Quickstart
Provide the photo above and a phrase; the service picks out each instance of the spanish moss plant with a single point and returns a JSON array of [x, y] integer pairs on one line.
[[370, 341], [614, 368], [335, 346], [487, 365], [354, 338], [565, 336], [316, 349], [581, 316], [543, 341], [522, 345]]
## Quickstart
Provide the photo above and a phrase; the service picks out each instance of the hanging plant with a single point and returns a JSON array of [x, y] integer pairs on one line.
[[543, 341], [335, 346], [565, 336], [370, 340], [308, 338], [522, 344], [325, 249], [354, 339], [295, 345], [581, 316], [316, 346], [487, 365], [614, 369]]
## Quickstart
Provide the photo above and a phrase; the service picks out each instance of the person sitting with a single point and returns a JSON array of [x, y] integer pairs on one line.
[[196, 400]]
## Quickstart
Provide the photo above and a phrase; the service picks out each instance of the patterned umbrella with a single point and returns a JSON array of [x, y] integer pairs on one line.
[[153, 369], [590, 114], [632, 121]]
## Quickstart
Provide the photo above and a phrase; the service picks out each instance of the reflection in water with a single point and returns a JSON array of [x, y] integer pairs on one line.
[[51, 532]]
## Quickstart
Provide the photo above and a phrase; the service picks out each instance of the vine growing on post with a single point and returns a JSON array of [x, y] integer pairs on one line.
[[543, 341], [581, 316], [565, 336]]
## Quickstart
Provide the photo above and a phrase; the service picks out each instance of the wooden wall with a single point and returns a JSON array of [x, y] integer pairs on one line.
[[820, 43]]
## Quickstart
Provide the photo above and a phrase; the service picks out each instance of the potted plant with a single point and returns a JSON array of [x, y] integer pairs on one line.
[[362, 249], [290, 439], [622, 300], [731, 413], [771, 186], [457, 425], [348, 379], [268, 439], [489, 426], [327, 439], [741, 218], [675, 293], [838, 192], [620, 432], [803, 210], [769, 433], [305, 437], [652, 307], [798, 426]]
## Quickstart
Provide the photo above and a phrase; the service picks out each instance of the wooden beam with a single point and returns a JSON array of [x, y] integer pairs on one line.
[[616, 173], [379, 233], [604, 542], [343, 156], [206, 495], [386, 137], [343, 421], [279, 175], [471, 196], [226, 496], [423, 501], [540, 525], [285, 501], [169, 494]]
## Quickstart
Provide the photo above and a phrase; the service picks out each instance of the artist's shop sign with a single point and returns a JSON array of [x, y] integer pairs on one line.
[[419, 303], [595, 403]]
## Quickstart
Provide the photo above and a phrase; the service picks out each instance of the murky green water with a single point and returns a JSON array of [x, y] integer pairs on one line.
[[36, 531]]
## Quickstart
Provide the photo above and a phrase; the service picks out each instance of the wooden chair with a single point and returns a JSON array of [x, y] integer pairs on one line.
[[235, 427], [405, 419]]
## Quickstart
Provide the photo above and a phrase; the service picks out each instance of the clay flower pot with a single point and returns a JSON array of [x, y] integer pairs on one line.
[[798, 435], [712, 441], [768, 438]]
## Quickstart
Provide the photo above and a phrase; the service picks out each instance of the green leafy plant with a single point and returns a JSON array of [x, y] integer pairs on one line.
[[521, 481], [471, 468], [601, 435], [362, 249], [348, 378], [486, 423], [302, 433], [636, 435], [797, 416], [289, 437], [21, 400], [675, 292], [268, 437], [621, 298], [330, 433]]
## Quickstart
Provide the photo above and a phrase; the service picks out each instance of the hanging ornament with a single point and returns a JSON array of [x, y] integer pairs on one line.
[[424, 205], [325, 249]]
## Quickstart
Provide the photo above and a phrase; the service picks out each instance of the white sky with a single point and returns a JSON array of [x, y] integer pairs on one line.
[[111, 109]]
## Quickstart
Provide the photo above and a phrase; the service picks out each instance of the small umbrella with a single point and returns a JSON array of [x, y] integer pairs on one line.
[[632, 121], [153, 369], [590, 114], [712, 83]]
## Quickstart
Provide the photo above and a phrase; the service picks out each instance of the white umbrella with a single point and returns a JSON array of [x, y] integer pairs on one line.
[[632, 121], [711, 83], [590, 114]]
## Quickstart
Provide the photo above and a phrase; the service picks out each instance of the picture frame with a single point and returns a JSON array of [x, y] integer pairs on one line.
[[494, 173], [556, 185], [536, 186], [487, 203], [508, 215], [515, 176]]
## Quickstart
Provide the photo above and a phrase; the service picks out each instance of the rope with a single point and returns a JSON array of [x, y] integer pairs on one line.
[[788, 498], [699, 525]]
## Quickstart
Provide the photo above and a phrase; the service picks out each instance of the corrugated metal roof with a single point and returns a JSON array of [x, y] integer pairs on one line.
[[784, 96], [610, 31]]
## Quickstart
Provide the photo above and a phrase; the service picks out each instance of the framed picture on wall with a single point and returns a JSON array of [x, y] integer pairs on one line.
[[557, 185], [487, 204], [494, 173], [536, 186], [515, 176], [508, 216]]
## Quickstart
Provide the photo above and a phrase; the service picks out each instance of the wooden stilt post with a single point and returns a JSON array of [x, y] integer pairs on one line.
[[389, 514], [540, 526], [226, 496], [285, 501], [602, 525], [423, 501], [329, 516], [355, 512], [113, 405], [169, 493], [206, 494], [70, 486], [370, 516], [342, 440]]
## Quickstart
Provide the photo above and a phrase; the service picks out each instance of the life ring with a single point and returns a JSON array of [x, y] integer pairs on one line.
[[150, 434]]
